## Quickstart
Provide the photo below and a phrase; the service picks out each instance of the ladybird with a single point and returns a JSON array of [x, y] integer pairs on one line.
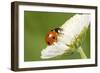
[[52, 35]]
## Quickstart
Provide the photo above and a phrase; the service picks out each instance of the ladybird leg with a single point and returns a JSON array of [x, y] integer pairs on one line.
[[60, 35]]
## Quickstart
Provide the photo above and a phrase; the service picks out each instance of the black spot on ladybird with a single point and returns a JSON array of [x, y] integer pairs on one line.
[[48, 43], [53, 37]]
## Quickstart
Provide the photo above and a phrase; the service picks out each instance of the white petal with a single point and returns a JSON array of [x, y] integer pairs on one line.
[[74, 26], [53, 50]]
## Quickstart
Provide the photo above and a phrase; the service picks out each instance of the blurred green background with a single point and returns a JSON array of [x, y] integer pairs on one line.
[[36, 26]]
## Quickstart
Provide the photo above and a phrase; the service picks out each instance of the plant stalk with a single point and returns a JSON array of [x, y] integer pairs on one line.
[[81, 52]]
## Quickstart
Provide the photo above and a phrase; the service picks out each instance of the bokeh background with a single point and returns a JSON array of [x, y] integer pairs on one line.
[[36, 26]]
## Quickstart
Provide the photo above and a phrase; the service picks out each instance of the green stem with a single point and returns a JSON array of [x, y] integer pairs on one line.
[[81, 52]]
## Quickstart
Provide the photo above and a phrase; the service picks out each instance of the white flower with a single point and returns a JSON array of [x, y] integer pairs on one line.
[[71, 28]]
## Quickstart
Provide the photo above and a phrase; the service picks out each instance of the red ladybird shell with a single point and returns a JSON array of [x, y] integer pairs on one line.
[[51, 37]]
